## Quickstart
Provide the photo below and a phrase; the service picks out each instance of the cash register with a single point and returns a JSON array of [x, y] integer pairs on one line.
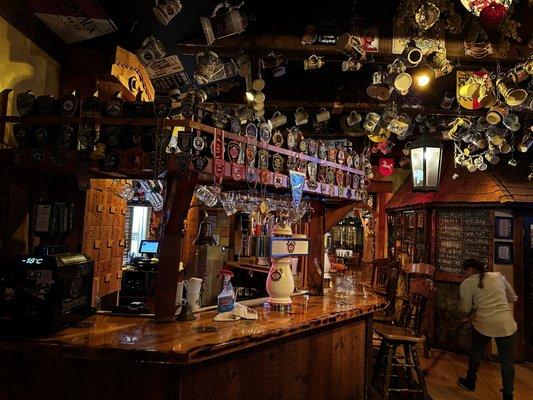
[[147, 261], [46, 293]]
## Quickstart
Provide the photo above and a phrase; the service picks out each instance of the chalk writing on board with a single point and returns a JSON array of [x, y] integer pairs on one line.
[[461, 234]]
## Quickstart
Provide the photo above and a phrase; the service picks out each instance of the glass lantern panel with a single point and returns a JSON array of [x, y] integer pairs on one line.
[[433, 155], [417, 165]]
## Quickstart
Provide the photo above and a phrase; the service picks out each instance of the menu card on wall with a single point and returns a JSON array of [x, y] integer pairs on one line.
[[461, 234]]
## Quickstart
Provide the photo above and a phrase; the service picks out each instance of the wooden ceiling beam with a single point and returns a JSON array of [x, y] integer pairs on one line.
[[21, 17], [291, 47]]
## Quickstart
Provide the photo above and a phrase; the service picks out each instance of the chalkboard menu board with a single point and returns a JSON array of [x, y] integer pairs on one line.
[[461, 234]]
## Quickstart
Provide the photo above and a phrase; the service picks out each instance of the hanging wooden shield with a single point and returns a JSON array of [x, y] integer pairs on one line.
[[112, 135], [332, 154], [162, 106], [263, 159], [312, 145], [348, 179], [187, 109], [302, 146], [237, 171], [277, 138], [21, 132], [301, 166], [40, 136], [278, 180], [113, 107], [25, 103], [91, 107], [138, 105], [339, 177], [251, 130], [59, 157], [199, 162], [250, 155], [322, 170], [291, 138], [183, 160], [110, 162], [185, 141], [235, 124], [322, 151], [37, 156], [277, 162], [68, 105], [265, 132], [233, 151], [330, 175], [44, 105], [133, 160], [291, 163], [251, 174]]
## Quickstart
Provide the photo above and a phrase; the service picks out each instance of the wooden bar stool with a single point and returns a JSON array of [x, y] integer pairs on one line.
[[408, 335]]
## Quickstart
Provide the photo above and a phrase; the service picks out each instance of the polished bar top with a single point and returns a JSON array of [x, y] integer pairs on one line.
[[135, 338]]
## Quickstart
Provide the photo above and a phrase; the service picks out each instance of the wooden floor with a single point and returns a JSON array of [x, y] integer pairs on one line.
[[443, 370]]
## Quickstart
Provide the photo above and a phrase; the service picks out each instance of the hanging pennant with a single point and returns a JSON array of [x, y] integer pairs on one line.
[[220, 164], [297, 181]]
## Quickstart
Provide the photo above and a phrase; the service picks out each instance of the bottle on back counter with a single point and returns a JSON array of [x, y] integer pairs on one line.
[[226, 298]]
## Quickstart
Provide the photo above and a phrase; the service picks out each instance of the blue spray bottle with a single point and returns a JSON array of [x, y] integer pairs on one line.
[[226, 298]]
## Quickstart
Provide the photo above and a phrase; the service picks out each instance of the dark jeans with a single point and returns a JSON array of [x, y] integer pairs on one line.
[[506, 346]]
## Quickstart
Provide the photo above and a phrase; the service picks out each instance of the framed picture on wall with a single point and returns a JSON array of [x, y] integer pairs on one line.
[[503, 228], [503, 252]]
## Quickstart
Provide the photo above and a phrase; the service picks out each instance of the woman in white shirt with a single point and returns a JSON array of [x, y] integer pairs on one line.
[[486, 296]]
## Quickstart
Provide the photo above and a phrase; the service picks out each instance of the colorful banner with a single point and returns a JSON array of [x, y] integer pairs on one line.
[[297, 181]]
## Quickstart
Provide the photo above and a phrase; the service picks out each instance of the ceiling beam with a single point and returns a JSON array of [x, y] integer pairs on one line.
[[291, 47], [17, 13]]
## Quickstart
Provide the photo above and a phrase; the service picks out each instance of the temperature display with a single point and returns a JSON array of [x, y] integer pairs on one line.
[[32, 260]]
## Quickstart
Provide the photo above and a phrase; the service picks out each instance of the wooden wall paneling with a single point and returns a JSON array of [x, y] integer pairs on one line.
[[324, 365], [519, 285]]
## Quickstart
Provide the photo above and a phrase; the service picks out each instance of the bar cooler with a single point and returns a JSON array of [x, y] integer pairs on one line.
[[46, 294]]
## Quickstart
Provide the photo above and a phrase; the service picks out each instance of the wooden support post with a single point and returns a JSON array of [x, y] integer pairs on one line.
[[177, 202], [381, 225], [311, 277], [4, 101], [337, 214]]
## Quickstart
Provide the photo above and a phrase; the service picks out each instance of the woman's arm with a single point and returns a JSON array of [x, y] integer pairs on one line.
[[509, 292], [465, 305]]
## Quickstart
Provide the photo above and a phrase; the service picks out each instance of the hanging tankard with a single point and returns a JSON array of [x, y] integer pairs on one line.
[[165, 10], [223, 24]]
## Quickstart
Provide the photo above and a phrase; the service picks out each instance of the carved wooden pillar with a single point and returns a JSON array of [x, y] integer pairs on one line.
[[311, 276], [381, 225], [178, 199]]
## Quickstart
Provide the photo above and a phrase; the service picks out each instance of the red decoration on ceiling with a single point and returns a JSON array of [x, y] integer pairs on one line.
[[386, 166], [493, 15]]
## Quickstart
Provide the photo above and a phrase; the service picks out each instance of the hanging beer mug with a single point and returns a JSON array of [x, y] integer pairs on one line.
[[165, 10], [351, 46], [207, 66], [150, 51], [512, 95], [223, 22]]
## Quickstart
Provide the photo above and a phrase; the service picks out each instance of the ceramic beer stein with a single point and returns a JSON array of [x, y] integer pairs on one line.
[[223, 22], [512, 95], [207, 65], [313, 62], [412, 54], [165, 10], [351, 46], [301, 116], [150, 51]]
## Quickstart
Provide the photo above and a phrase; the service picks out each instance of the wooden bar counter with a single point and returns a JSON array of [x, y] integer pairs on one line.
[[318, 350]]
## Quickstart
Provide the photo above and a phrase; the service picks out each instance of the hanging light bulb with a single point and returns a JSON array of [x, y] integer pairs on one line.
[[423, 76]]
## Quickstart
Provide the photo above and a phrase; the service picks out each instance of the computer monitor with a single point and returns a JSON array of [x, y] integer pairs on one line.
[[149, 246]]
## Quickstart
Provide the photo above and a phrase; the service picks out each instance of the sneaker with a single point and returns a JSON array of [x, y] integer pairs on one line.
[[467, 384]]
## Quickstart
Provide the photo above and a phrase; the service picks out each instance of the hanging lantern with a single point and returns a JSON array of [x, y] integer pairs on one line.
[[426, 161], [205, 234]]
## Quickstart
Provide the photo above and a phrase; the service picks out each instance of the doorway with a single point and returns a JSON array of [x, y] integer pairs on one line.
[[528, 285]]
